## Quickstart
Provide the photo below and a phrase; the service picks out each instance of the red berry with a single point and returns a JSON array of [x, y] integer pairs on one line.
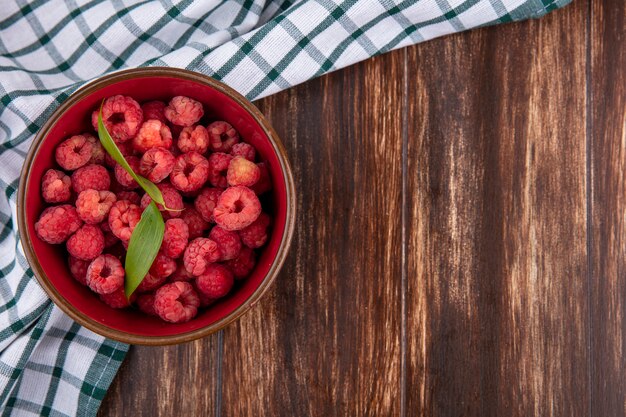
[[123, 217], [121, 116], [78, 269], [244, 150], [243, 264], [190, 172], [197, 225], [131, 196], [145, 302], [206, 202], [154, 110], [152, 134], [175, 238], [173, 200], [87, 243], [150, 282], [255, 235], [57, 223], [218, 167], [193, 138], [264, 184], [237, 208], [125, 148], [163, 266], [242, 172], [199, 254], [176, 302], [56, 187], [184, 111], [74, 152], [123, 177], [216, 281], [105, 274], [116, 299], [181, 274], [97, 152], [93, 206], [228, 242], [222, 136], [156, 164], [91, 176], [204, 300]]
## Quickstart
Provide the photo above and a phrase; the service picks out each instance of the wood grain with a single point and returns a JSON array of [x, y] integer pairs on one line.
[[497, 274]]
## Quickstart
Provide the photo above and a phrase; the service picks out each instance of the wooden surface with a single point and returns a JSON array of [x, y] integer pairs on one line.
[[461, 240]]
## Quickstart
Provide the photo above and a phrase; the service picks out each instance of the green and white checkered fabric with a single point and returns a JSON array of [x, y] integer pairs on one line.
[[50, 365]]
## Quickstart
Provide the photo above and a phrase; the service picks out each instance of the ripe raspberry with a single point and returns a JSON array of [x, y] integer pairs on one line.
[[163, 266], [216, 281], [237, 208], [184, 111], [145, 303], [122, 117], [109, 238], [200, 253], [175, 238], [228, 242], [243, 264], [244, 150], [242, 172], [150, 282], [152, 134], [176, 302], [105, 274], [123, 217], [87, 243], [116, 299], [91, 176], [154, 110], [193, 138], [190, 172], [197, 225], [218, 167], [56, 187], [74, 152], [97, 152], [57, 223], [123, 177], [78, 269], [156, 164], [131, 196], [206, 202], [181, 274], [264, 184], [255, 235], [222, 136], [93, 206], [204, 300], [173, 200], [125, 148]]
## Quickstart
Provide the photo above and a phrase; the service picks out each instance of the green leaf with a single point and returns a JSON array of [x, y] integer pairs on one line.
[[143, 247]]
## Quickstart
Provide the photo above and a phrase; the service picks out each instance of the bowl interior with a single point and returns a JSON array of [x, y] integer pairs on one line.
[[76, 119]]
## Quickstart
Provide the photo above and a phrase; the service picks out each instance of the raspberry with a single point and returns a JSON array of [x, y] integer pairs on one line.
[[109, 238], [216, 281], [218, 167], [152, 134], [242, 172], [184, 111], [193, 138], [181, 274], [237, 208], [264, 184], [156, 164], [131, 196], [175, 238], [190, 172], [222, 136], [163, 266], [206, 202], [255, 235], [244, 150], [78, 269], [173, 200], [228, 242], [87, 243], [123, 177], [154, 110], [97, 152], [204, 300], [150, 282], [91, 176], [56, 187], [176, 302], [200, 253], [197, 225], [123, 217], [74, 152], [57, 223], [122, 117], [145, 302], [243, 264], [93, 206], [116, 299], [105, 274], [125, 148]]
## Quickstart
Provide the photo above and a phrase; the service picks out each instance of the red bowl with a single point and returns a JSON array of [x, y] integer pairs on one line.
[[49, 262]]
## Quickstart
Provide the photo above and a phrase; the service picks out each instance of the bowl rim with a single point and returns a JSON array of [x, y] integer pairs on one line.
[[283, 249]]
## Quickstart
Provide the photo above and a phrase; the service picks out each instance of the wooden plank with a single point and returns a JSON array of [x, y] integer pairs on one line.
[[497, 274], [608, 147], [325, 341]]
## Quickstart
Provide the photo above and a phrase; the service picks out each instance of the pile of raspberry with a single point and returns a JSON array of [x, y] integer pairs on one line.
[[207, 174]]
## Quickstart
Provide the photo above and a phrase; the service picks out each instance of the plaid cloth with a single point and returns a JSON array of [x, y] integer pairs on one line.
[[49, 365]]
